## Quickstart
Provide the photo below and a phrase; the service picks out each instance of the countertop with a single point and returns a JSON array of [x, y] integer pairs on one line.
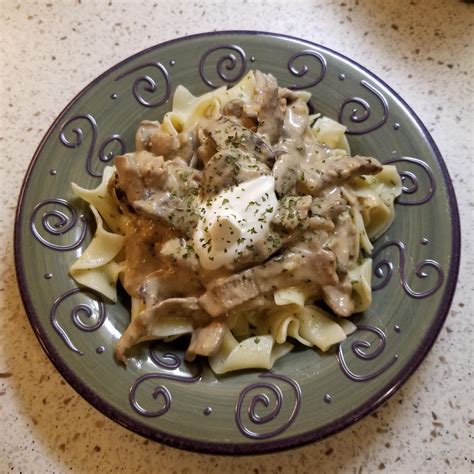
[[50, 51]]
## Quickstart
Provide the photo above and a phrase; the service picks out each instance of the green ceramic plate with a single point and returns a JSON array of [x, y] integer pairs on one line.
[[308, 395]]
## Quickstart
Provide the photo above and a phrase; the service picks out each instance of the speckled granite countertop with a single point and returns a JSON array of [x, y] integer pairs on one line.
[[50, 51]]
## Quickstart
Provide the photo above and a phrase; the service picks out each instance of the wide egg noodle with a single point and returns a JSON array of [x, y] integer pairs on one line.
[[361, 280], [309, 325], [319, 328], [168, 327], [376, 195], [364, 240], [96, 268], [347, 326], [239, 324], [258, 352], [244, 89], [283, 322], [173, 123], [189, 109], [102, 200], [331, 133], [293, 295]]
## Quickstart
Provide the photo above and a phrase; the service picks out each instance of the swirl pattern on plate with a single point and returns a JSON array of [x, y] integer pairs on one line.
[[160, 391], [58, 222], [167, 361], [76, 142], [226, 62], [263, 399], [76, 312], [363, 350], [383, 270], [301, 72], [410, 180], [149, 84], [357, 117]]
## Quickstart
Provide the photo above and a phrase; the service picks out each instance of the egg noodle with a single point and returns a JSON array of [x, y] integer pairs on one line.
[[241, 221]]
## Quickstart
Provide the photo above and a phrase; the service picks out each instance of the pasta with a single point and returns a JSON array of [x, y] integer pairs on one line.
[[258, 352], [241, 222], [96, 267]]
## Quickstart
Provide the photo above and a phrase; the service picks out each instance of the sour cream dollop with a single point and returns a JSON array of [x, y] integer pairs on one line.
[[234, 221]]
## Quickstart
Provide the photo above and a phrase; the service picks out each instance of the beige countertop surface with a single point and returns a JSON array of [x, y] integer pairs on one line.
[[51, 50]]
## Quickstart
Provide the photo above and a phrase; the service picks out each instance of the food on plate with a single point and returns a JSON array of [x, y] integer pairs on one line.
[[242, 221]]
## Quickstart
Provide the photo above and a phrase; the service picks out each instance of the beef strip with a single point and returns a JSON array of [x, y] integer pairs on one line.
[[337, 233], [178, 212], [332, 206], [292, 210], [326, 207], [168, 283], [316, 176], [206, 146], [329, 204], [239, 109], [206, 340], [142, 327], [290, 269], [258, 304], [227, 133], [180, 179], [129, 178], [143, 138], [141, 174], [152, 169], [272, 107], [228, 168], [344, 241], [291, 148], [338, 297], [151, 137], [142, 245], [161, 190]]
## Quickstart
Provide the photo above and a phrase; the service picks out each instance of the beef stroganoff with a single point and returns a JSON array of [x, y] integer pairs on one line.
[[234, 218]]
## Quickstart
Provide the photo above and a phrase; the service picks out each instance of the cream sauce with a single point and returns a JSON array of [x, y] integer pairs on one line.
[[308, 238]]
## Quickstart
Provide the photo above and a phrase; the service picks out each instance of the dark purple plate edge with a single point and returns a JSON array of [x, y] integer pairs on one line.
[[244, 448]]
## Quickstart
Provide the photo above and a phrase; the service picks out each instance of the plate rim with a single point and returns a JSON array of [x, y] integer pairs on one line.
[[249, 448]]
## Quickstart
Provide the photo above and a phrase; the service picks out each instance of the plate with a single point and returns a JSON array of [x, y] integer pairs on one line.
[[307, 395]]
